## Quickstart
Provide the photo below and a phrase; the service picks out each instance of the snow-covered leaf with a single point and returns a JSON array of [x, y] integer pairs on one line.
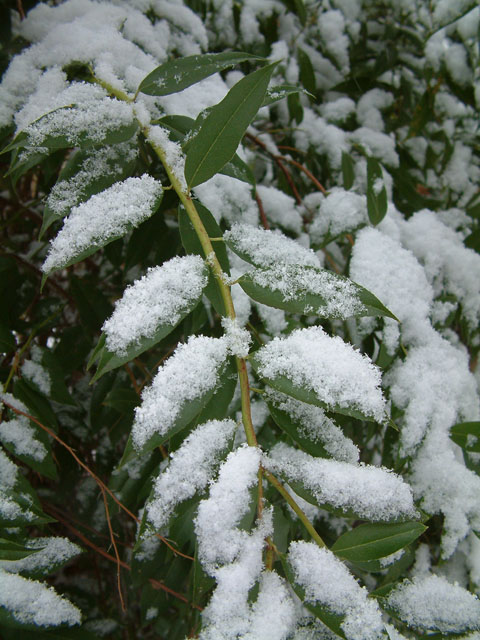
[[42, 557], [311, 291], [376, 193], [315, 368], [467, 436], [102, 219]]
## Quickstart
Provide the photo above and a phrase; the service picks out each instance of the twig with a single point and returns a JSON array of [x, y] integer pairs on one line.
[[114, 544], [308, 173], [261, 210], [100, 483], [132, 379]]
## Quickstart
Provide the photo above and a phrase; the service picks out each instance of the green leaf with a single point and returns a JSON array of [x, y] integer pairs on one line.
[[310, 290], [177, 75], [222, 130], [192, 244], [307, 73], [373, 541], [376, 193], [348, 170], [36, 402], [467, 436], [11, 551]]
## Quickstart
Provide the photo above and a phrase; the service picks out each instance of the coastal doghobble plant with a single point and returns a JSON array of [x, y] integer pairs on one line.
[[239, 325]]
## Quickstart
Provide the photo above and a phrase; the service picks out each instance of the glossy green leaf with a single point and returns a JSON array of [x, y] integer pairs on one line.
[[288, 289], [348, 170], [373, 541], [221, 132], [376, 193], [11, 551], [192, 244], [467, 436], [176, 75]]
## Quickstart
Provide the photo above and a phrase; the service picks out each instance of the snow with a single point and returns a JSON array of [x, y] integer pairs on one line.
[[18, 433], [266, 248], [338, 110], [228, 199], [161, 297], [433, 604], [280, 208], [37, 374], [376, 144], [31, 602], [338, 375], [52, 551], [190, 373], [316, 426], [327, 582], [104, 217], [219, 515], [238, 339], [190, 470], [369, 108], [331, 26], [339, 212], [174, 157], [325, 138], [372, 493]]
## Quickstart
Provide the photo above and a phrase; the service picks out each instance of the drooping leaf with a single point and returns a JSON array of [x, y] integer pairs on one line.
[[307, 73], [348, 170], [376, 193], [176, 75], [285, 422], [221, 132], [373, 541], [311, 291]]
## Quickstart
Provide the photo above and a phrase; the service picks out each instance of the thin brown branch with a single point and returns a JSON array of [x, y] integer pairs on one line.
[[289, 178], [308, 173], [114, 544], [261, 210], [100, 483], [128, 369]]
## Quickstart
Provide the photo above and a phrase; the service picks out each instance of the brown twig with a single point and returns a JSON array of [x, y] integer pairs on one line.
[[132, 379], [308, 173], [114, 544], [20, 9], [100, 483], [289, 178], [156, 584], [261, 210]]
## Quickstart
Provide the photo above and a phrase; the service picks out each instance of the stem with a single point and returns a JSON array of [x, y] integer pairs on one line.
[[298, 510]]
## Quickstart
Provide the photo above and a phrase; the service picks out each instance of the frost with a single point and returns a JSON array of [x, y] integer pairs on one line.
[[370, 492], [49, 553], [190, 468], [433, 604], [316, 426], [268, 248], [31, 602], [190, 373], [103, 217], [327, 582], [161, 297], [339, 295], [337, 374]]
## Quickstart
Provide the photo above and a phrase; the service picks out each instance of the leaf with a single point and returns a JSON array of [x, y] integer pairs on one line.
[[11, 551], [467, 436], [307, 73], [376, 193], [222, 130], [348, 170], [310, 290], [36, 402], [176, 75], [192, 245], [373, 541]]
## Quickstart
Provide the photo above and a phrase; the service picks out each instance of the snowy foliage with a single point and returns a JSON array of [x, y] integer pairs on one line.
[[240, 320]]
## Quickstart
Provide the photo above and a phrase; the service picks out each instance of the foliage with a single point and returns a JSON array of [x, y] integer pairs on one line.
[[239, 321]]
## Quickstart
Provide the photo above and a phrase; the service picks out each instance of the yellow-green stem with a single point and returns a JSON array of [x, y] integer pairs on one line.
[[298, 510]]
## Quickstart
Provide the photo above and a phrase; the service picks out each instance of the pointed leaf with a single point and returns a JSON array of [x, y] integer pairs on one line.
[[221, 132], [285, 422], [467, 436], [281, 91], [348, 171], [177, 75], [373, 541]]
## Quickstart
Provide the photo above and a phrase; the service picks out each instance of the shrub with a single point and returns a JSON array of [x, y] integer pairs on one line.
[[239, 322]]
